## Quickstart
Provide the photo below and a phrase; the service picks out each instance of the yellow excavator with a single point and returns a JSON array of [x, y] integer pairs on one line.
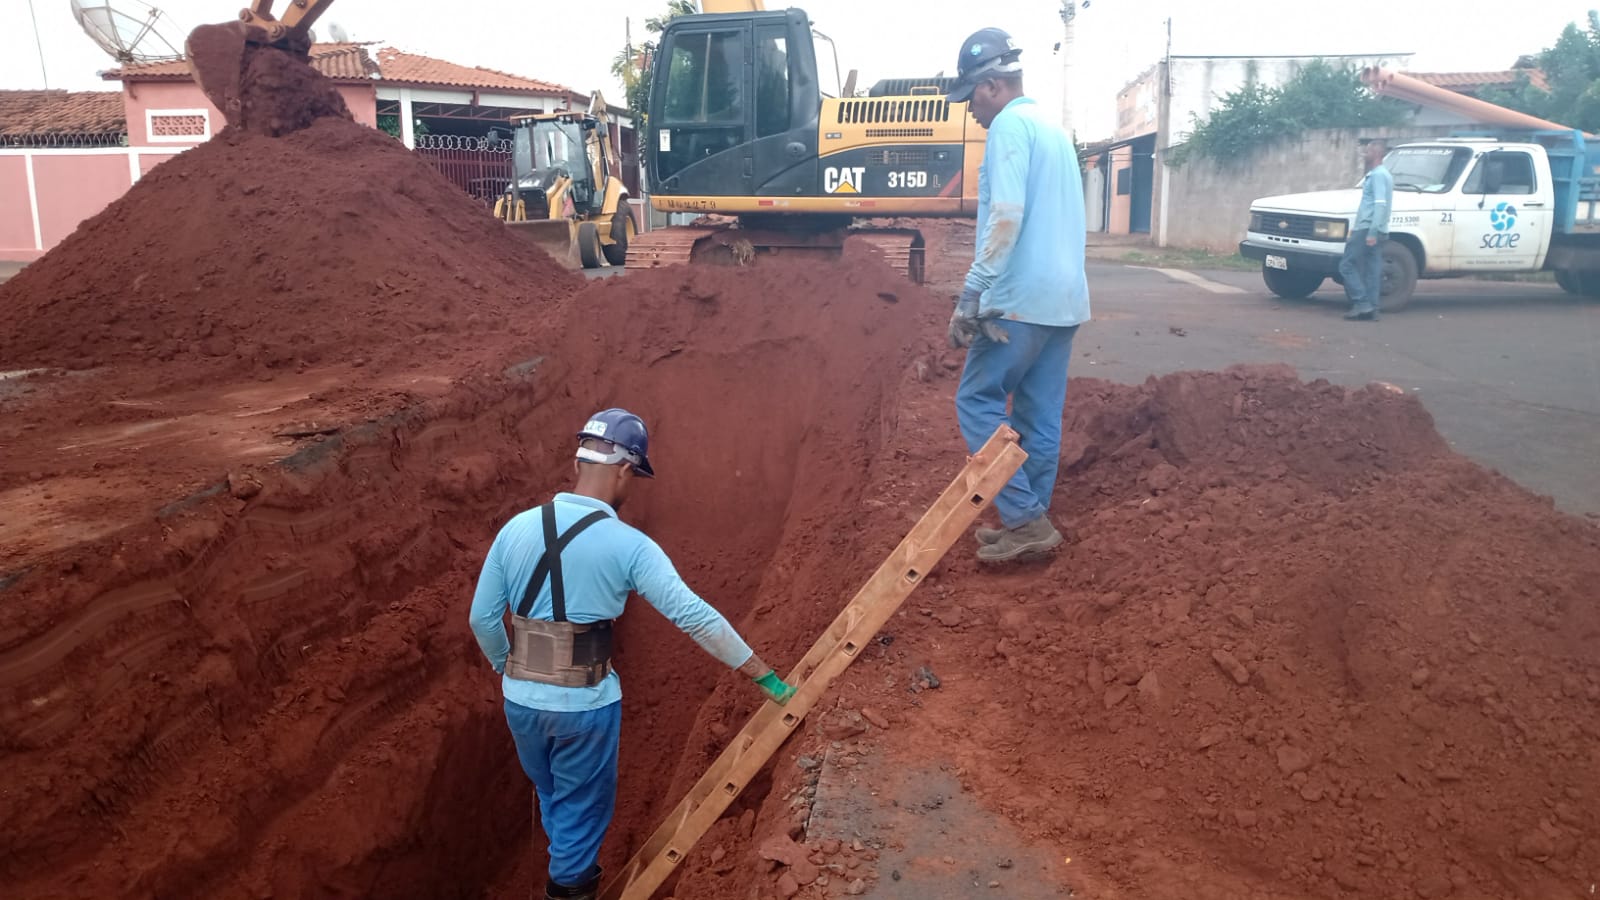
[[566, 192], [739, 127]]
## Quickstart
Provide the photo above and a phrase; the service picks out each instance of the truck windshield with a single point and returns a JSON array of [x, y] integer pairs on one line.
[[1429, 170]]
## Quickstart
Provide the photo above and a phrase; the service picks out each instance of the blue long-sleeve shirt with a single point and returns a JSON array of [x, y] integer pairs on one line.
[[1377, 200], [599, 568], [1030, 256]]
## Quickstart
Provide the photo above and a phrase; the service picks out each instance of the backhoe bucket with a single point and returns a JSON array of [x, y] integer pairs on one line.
[[556, 237]]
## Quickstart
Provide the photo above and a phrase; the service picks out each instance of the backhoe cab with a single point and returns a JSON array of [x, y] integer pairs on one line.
[[566, 192]]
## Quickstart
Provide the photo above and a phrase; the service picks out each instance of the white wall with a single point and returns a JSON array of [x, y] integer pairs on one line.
[[1200, 83]]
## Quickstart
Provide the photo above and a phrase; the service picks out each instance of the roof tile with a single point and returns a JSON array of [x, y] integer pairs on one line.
[[349, 61], [343, 61], [414, 68], [35, 113]]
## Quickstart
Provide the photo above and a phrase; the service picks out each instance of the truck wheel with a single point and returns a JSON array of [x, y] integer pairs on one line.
[[622, 230], [1582, 284], [1291, 285], [589, 245], [1399, 276]]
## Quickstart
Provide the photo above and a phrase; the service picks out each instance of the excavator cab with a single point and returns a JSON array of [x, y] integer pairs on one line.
[[740, 126], [734, 107]]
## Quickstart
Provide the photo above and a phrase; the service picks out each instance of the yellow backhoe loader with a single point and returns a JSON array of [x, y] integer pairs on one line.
[[566, 192]]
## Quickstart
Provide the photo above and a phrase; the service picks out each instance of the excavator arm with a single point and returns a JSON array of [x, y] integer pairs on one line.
[[293, 28]]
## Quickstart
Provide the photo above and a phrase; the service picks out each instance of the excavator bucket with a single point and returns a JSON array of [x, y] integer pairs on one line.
[[556, 237], [217, 53]]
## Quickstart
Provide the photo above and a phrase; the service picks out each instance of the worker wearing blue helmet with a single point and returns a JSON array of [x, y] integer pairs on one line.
[[564, 570], [1025, 294]]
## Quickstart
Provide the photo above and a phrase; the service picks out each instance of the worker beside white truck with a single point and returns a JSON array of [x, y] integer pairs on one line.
[[1516, 201]]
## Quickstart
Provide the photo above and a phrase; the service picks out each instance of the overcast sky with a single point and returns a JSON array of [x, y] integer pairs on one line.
[[573, 43]]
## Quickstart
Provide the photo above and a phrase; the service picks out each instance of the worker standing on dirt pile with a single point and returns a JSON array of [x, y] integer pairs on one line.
[[1362, 265], [1026, 293], [564, 570]]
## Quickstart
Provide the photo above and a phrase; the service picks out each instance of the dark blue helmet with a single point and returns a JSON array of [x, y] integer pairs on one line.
[[626, 434], [984, 54]]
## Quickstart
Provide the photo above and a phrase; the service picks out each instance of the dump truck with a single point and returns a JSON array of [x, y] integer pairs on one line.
[[1512, 200]]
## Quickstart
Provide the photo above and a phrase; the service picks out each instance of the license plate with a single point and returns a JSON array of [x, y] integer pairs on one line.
[[1278, 262]]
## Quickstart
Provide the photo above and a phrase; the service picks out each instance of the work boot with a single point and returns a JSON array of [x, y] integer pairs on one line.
[[588, 890], [1035, 538], [1361, 315], [987, 536]]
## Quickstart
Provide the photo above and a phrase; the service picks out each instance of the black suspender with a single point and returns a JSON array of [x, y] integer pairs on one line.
[[549, 565]]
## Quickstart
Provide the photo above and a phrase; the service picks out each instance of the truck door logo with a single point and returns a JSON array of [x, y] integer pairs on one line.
[[845, 180], [1502, 219]]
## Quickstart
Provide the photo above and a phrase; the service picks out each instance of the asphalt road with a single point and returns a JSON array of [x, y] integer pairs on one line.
[[1510, 371]]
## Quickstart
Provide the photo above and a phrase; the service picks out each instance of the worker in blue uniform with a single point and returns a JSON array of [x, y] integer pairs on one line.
[[564, 570], [1025, 294]]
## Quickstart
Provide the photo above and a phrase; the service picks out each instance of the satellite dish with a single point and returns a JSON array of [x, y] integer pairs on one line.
[[132, 31], [337, 32]]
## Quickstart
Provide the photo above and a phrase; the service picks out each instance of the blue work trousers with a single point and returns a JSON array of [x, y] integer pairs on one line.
[[1032, 371], [1362, 271], [572, 759]]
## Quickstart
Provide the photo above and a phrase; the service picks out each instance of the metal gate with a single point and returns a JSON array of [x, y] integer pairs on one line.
[[478, 166]]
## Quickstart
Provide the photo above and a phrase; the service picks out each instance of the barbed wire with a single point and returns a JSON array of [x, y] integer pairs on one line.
[[64, 141], [461, 142]]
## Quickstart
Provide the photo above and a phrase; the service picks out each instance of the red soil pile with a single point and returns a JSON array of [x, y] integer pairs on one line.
[[251, 253], [1294, 648], [280, 94]]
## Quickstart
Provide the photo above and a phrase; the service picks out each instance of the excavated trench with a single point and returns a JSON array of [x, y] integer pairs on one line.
[[281, 696]]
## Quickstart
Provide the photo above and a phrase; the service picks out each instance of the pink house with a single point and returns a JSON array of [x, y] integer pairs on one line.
[[65, 156]]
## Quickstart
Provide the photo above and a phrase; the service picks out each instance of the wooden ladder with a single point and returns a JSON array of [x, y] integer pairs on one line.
[[857, 624]]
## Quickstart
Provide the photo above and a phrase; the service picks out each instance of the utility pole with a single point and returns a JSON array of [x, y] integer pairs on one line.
[[1069, 15]]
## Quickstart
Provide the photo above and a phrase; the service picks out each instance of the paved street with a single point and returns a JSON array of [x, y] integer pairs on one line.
[[1510, 371]]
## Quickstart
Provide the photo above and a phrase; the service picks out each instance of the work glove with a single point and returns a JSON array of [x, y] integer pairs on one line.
[[779, 690], [966, 323]]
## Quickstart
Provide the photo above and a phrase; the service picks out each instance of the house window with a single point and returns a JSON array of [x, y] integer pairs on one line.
[[187, 126], [1124, 182]]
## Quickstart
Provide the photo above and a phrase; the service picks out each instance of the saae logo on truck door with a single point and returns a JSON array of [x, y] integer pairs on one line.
[[1502, 219], [845, 180]]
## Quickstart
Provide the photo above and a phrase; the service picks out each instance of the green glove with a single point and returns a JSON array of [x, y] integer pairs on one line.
[[779, 690]]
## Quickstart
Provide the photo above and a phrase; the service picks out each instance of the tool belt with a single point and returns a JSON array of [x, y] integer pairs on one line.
[[558, 652]]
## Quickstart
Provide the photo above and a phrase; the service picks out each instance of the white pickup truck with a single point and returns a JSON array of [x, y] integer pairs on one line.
[[1525, 202]]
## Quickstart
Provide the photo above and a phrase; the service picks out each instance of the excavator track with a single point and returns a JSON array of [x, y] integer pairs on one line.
[[672, 246], [726, 244]]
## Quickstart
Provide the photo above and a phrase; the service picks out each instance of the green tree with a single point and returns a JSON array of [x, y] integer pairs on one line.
[[1320, 95], [633, 63], [1572, 71]]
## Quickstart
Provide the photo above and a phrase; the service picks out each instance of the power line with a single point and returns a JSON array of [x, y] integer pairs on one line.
[[40, 44]]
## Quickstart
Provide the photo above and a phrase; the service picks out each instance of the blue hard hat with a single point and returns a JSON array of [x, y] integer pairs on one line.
[[984, 54], [626, 433]]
